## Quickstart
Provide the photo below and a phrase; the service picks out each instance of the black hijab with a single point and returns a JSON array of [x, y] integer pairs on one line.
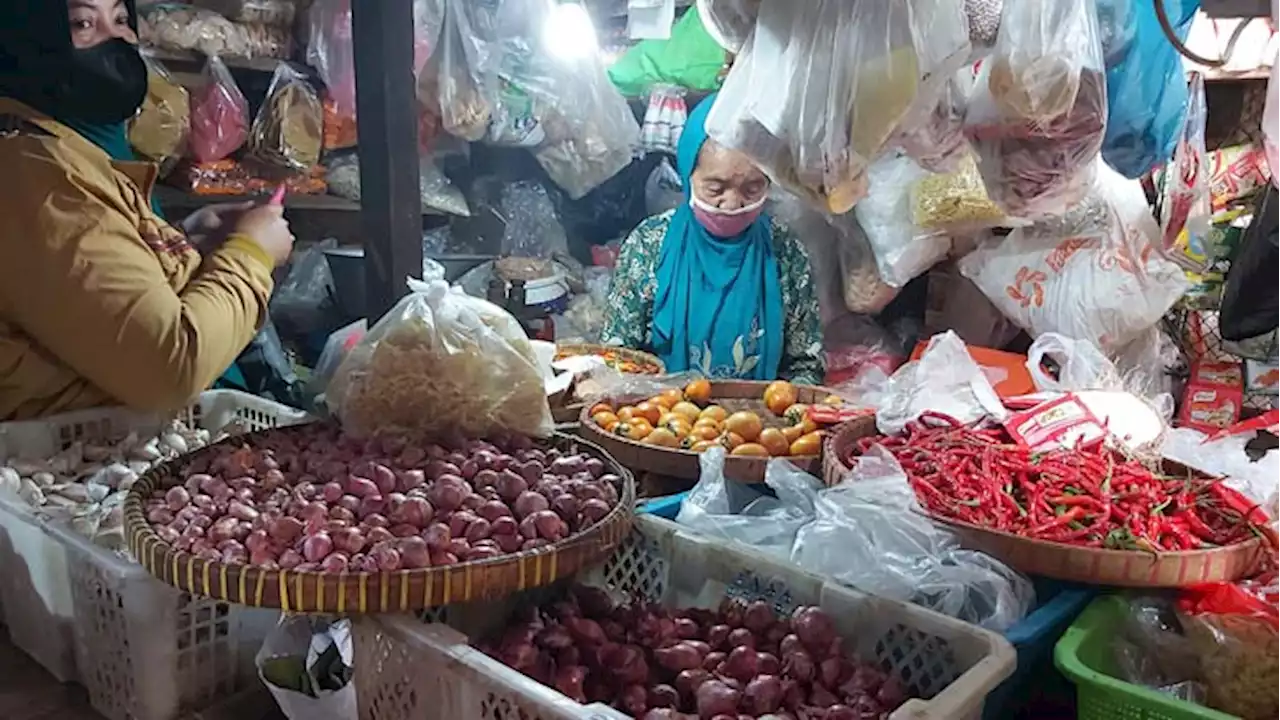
[[40, 66]]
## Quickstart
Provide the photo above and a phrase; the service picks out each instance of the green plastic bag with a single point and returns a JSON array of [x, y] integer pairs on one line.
[[689, 58]]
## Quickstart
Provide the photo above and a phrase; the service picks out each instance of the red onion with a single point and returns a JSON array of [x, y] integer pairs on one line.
[[569, 680], [332, 492], [493, 509], [528, 503], [316, 547], [741, 664], [814, 628], [384, 478], [633, 699], [741, 637], [714, 698], [411, 479], [763, 694], [688, 681], [414, 553], [437, 535], [758, 617], [177, 498]]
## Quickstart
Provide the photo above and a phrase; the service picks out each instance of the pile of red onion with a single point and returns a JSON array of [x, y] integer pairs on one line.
[[311, 498], [739, 661]]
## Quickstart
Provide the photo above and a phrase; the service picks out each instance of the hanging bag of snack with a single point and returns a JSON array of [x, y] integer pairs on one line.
[[1038, 111], [160, 128], [1187, 215], [454, 80], [287, 131], [219, 115]]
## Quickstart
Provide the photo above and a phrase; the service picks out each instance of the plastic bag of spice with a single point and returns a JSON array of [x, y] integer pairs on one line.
[[219, 115], [1038, 112], [160, 128], [287, 132], [1236, 630], [454, 79]]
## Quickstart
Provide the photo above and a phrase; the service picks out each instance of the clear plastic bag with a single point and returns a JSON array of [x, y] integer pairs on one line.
[[945, 379], [439, 362], [298, 303], [870, 534], [901, 250], [287, 133], [530, 224], [302, 660], [437, 193], [1271, 122], [1235, 631], [938, 143], [663, 190], [956, 202], [1187, 214], [850, 75], [279, 13], [159, 131], [1092, 274], [861, 355], [1038, 112], [863, 289], [173, 26], [454, 78], [1150, 649], [219, 115], [1227, 457], [736, 512]]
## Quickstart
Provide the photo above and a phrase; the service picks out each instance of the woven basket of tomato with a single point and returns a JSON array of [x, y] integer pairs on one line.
[[753, 420], [1087, 514]]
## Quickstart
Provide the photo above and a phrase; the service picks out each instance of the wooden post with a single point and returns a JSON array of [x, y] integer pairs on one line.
[[387, 110]]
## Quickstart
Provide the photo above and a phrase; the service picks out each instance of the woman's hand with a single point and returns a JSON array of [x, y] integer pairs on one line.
[[207, 227]]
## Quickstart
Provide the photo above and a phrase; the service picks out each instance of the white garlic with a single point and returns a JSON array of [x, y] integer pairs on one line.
[[96, 492], [70, 491], [113, 518], [127, 483], [115, 499], [10, 479], [86, 525], [139, 466], [175, 442], [43, 479], [61, 502], [112, 475], [31, 493], [148, 451]]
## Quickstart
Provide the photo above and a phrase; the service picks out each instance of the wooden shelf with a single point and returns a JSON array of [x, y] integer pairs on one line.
[[192, 61], [1217, 75], [174, 198]]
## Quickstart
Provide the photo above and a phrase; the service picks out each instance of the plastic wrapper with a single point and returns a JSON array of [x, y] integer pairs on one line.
[[219, 115], [442, 362], [178, 27], [870, 534], [159, 131], [863, 289], [454, 79], [229, 177], [287, 133], [955, 202], [861, 355], [1233, 628], [1187, 213], [1229, 458], [307, 664], [1038, 111], [938, 143], [279, 13], [1093, 273], [299, 302], [1150, 650], [1271, 122], [729, 22], [945, 379], [584, 319], [814, 124], [902, 250], [437, 193], [530, 224], [664, 119], [736, 512], [1146, 92], [663, 190]]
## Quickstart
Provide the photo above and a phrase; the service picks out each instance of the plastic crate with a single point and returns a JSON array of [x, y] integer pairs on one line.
[[143, 650], [406, 669], [1032, 638], [1084, 654]]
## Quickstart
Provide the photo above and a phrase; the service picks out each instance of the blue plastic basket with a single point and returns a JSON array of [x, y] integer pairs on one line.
[[1033, 637]]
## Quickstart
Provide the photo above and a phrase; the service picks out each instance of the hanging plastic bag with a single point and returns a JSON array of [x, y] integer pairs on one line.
[[1235, 629], [442, 361], [945, 379], [454, 79], [306, 663], [287, 132], [1271, 122], [690, 59], [1187, 214], [902, 250], [1091, 274], [863, 289], [736, 512], [219, 115], [160, 129], [664, 119], [298, 303], [871, 535], [938, 143], [955, 203], [833, 118], [1038, 111], [436, 192], [1146, 92]]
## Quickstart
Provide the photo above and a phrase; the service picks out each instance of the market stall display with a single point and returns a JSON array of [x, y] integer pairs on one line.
[[623, 360], [287, 132], [160, 129], [311, 519], [180, 27], [219, 115]]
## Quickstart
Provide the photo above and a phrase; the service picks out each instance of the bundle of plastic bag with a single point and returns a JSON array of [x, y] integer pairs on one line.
[[1038, 111], [945, 379], [1146, 95], [442, 361], [219, 115], [1094, 273], [1187, 215], [850, 74]]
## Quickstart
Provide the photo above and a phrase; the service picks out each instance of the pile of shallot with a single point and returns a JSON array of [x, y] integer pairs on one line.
[[312, 498], [739, 661]]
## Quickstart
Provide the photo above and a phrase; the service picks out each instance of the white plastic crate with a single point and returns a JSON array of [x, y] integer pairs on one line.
[[143, 650], [409, 670]]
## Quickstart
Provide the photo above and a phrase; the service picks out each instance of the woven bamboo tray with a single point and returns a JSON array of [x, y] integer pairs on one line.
[[838, 442], [684, 464], [634, 356], [348, 593]]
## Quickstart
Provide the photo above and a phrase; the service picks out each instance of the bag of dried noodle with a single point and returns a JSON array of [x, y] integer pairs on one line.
[[160, 128], [287, 133]]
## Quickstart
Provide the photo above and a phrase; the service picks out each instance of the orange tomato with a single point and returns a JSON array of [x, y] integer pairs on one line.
[[792, 433], [701, 446], [808, 425], [604, 418], [713, 412], [774, 441], [678, 425], [662, 437], [687, 409], [668, 398], [698, 391], [746, 424], [599, 408], [750, 450], [731, 440], [810, 444], [626, 413], [833, 400], [638, 429], [704, 432], [779, 396], [649, 411], [795, 414]]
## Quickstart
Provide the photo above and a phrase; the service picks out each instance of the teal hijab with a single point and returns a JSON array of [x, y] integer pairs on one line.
[[113, 138], [718, 307]]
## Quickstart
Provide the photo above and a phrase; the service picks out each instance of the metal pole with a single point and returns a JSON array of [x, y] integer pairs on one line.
[[387, 111]]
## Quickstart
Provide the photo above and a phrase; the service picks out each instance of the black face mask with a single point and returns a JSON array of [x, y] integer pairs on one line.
[[105, 83]]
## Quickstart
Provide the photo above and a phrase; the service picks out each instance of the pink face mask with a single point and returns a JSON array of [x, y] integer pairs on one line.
[[725, 223]]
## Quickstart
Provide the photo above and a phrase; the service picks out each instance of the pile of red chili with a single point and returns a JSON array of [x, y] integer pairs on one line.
[[1091, 496]]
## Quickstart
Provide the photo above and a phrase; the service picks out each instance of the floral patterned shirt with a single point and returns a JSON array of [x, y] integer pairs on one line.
[[629, 321]]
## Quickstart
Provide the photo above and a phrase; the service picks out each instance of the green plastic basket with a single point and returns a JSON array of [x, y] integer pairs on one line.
[[1084, 654]]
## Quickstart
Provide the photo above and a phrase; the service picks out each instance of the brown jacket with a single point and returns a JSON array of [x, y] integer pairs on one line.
[[101, 301]]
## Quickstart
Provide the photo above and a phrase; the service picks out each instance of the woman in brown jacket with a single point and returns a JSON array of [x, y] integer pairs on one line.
[[103, 302]]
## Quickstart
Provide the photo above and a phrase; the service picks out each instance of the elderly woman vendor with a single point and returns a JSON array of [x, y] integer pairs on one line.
[[716, 285]]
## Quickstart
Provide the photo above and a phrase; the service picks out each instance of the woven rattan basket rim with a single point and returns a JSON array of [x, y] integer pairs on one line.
[[353, 592]]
